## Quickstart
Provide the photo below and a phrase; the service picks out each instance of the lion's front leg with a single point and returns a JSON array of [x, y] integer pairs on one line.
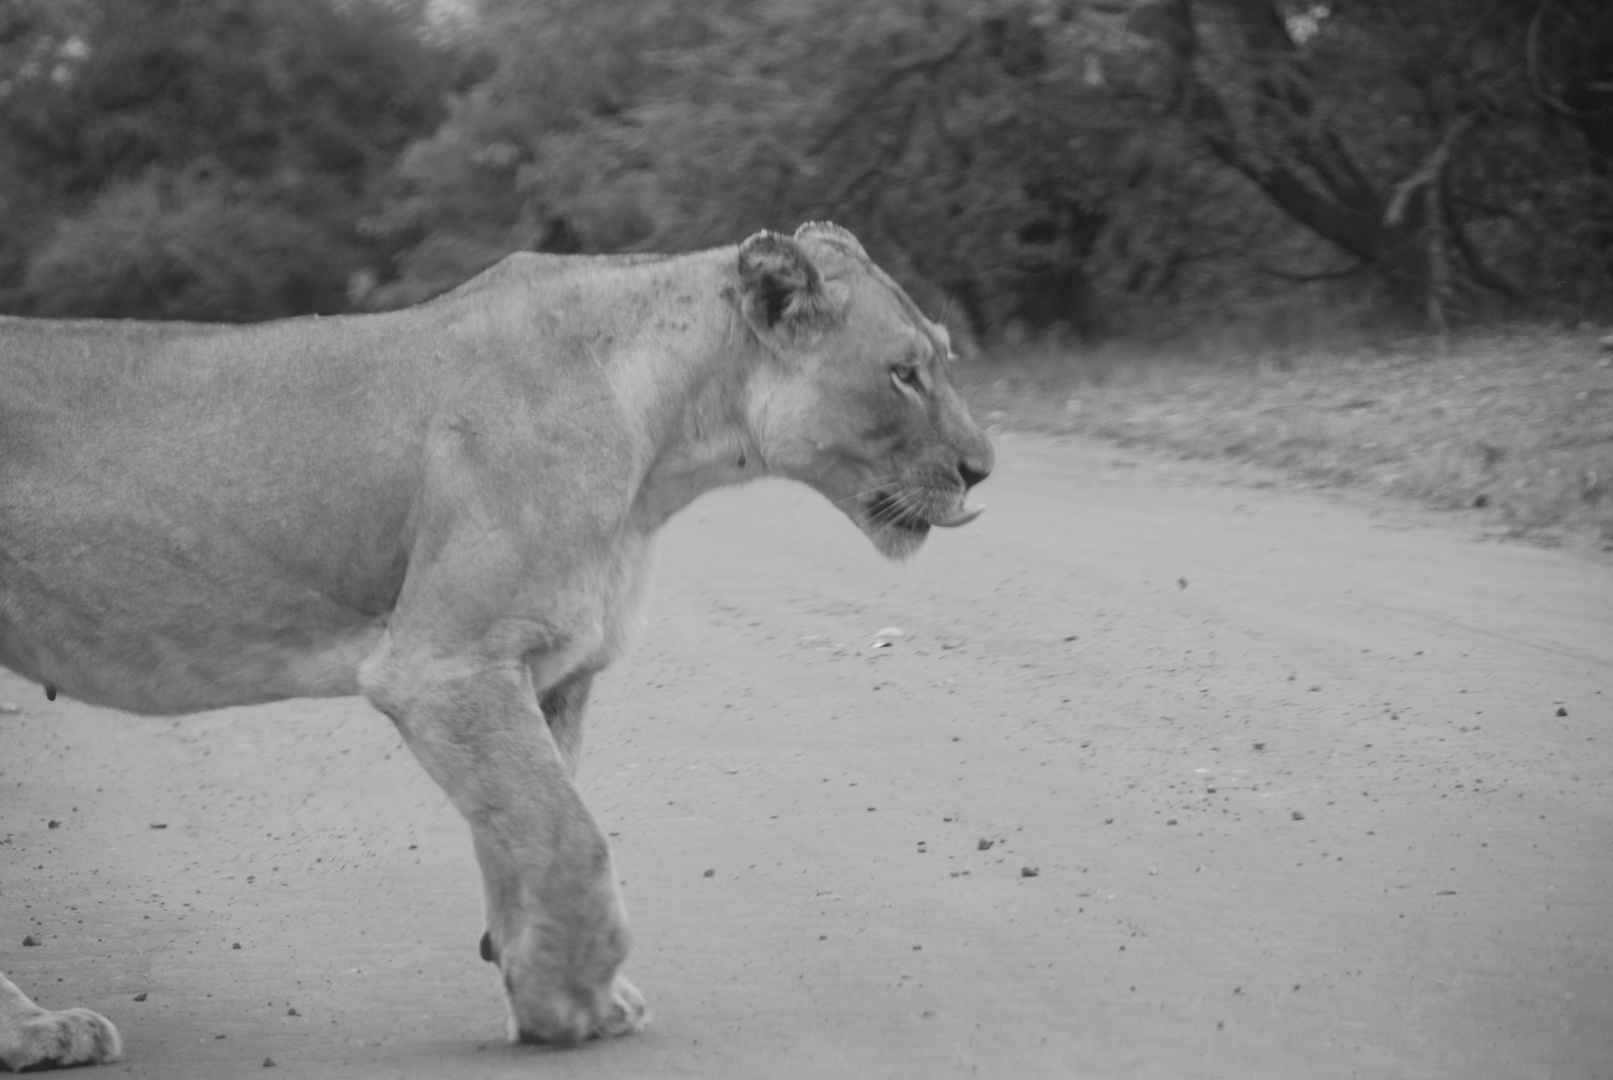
[[32, 1037], [556, 925], [563, 707]]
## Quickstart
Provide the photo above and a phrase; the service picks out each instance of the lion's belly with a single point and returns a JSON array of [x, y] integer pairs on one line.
[[168, 622], [166, 574], [175, 665]]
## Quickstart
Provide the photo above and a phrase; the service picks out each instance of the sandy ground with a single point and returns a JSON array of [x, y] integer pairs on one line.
[[1311, 788]]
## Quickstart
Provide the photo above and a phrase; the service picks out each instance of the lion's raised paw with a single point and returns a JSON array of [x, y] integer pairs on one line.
[[68, 1037]]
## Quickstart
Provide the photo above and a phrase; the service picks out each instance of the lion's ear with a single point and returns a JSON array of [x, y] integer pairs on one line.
[[781, 283], [828, 230]]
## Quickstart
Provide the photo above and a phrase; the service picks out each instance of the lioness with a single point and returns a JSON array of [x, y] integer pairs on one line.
[[451, 510]]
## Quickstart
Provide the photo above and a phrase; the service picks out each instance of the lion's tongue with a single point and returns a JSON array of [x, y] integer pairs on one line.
[[962, 517]]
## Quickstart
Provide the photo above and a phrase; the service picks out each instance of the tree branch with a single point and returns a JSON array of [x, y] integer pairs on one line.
[[1429, 173], [1355, 232]]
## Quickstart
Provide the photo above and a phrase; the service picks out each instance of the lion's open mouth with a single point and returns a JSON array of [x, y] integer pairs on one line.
[[912, 512]]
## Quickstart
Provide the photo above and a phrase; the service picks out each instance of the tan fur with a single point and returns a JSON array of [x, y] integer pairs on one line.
[[34, 1037], [452, 509]]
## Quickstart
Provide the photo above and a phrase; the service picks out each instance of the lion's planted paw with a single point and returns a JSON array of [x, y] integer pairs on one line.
[[628, 1011], [68, 1037], [620, 1012]]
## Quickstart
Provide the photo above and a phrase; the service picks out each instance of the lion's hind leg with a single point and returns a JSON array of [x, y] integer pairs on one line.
[[31, 1036]]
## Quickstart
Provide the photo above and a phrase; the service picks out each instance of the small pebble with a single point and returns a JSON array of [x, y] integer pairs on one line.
[[984, 845], [8, 707], [1029, 871], [711, 873], [53, 825], [268, 1063], [29, 941], [141, 996], [1561, 711], [1298, 816]]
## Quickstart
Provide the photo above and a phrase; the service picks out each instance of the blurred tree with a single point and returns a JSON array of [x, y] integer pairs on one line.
[[527, 158], [202, 158], [1410, 137], [1091, 164], [1010, 162], [946, 133]]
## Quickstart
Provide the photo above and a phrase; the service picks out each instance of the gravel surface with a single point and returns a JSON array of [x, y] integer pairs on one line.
[[1342, 808]]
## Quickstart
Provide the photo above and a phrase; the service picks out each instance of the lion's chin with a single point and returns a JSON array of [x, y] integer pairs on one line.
[[898, 541]]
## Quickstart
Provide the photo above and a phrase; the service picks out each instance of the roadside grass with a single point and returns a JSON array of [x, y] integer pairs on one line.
[[1519, 424]]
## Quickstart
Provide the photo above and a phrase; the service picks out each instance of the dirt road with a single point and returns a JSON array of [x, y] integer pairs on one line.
[[1307, 789]]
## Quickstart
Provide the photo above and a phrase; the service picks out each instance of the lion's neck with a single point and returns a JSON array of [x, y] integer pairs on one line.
[[696, 423]]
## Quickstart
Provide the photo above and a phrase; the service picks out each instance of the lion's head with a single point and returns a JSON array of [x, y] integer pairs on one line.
[[858, 400]]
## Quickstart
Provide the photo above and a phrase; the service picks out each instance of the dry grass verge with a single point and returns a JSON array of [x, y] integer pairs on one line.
[[1519, 424]]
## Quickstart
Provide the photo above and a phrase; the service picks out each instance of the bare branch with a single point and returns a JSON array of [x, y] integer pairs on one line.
[[1428, 173]]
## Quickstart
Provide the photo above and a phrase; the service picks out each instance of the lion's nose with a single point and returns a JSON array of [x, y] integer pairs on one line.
[[973, 472]]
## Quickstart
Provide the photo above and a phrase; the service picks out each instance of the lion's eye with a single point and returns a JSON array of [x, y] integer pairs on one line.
[[909, 374]]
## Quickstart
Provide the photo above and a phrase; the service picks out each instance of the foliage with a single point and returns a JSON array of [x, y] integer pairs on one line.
[[183, 247], [1414, 140], [1134, 166], [201, 158], [1100, 165]]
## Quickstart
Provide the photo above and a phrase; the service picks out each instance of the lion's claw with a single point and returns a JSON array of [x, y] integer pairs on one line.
[[628, 1011]]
